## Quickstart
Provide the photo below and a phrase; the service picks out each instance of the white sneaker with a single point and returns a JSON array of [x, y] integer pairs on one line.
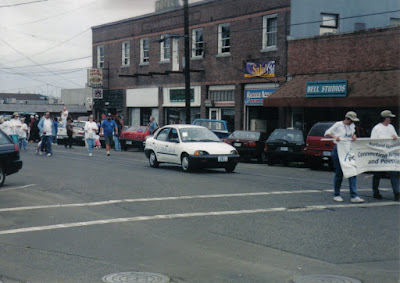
[[90, 154], [49, 154], [40, 153], [357, 199], [338, 198], [108, 153]]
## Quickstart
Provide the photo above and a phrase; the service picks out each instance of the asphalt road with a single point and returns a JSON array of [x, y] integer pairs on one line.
[[75, 218]]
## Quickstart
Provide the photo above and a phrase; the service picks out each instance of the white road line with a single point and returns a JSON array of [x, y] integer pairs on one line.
[[16, 188], [107, 202], [189, 215]]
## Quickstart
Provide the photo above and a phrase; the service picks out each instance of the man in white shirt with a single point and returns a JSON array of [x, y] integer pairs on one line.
[[342, 130], [385, 130], [64, 116], [15, 125], [46, 129]]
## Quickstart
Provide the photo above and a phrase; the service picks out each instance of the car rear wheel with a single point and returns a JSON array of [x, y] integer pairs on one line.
[[153, 160], [185, 163], [2, 176]]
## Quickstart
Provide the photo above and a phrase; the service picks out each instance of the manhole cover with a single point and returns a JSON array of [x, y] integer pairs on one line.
[[321, 278], [135, 277]]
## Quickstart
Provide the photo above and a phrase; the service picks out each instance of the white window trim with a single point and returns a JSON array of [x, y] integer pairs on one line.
[[194, 42], [266, 48], [162, 52], [220, 53], [126, 54], [142, 58], [100, 63]]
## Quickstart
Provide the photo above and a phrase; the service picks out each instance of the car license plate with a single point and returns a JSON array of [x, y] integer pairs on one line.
[[128, 142], [284, 148], [222, 158], [237, 144], [326, 153]]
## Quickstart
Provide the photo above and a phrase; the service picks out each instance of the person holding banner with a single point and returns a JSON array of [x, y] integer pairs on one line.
[[385, 130], [341, 130]]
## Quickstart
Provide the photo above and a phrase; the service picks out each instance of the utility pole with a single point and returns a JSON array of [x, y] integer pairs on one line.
[[187, 60]]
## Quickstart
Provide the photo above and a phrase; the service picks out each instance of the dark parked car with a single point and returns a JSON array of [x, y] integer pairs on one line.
[[134, 137], [9, 157], [285, 146], [249, 144], [317, 151]]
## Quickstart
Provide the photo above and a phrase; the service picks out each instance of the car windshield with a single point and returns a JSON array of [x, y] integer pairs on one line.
[[286, 135], [212, 125], [79, 124], [198, 135], [245, 135]]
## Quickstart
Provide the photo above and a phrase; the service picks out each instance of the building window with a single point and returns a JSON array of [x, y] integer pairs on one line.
[[165, 47], [270, 28], [197, 43], [224, 37], [329, 23], [100, 56], [125, 53], [144, 51], [221, 95]]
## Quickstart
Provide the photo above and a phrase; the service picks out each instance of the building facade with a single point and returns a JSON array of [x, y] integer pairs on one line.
[[238, 57]]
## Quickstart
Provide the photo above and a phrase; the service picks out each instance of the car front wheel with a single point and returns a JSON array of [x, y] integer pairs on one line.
[[230, 167], [153, 160], [2, 176], [185, 163]]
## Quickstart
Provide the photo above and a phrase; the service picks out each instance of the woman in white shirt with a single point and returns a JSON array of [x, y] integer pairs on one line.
[[90, 133]]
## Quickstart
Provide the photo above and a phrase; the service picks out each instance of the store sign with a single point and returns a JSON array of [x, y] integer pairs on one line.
[[260, 69], [95, 78], [97, 93], [256, 96], [166, 5], [326, 89], [178, 95]]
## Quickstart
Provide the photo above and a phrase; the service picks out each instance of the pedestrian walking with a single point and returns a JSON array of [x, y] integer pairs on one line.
[[107, 129], [23, 134], [117, 144], [35, 135], [46, 128], [342, 130], [385, 130], [90, 133], [15, 126], [70, 132], [55, 122], [153, 126]]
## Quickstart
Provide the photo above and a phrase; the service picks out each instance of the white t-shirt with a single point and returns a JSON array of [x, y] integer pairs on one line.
[[381, 131], [47, 127], [90, 130], [6, 127], [64, 115], [341, 130], [23, 132], [15, 126]]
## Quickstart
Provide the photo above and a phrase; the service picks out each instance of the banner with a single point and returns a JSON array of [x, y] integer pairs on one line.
[[365, 155], [95, 78], [260, 69]]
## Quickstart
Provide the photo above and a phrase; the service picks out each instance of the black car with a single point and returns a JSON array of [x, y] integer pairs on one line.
[[9, 157], [285, 146], [249, 144]]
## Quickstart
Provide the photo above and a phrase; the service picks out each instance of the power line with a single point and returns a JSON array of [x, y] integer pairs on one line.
[[51, 63], [20, 4]]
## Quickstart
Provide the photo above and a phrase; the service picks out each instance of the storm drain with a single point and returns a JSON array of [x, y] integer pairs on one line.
[[324, 278], [135, 277]]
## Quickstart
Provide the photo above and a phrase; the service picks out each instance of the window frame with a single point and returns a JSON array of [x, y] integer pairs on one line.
[[336, 19], [126, 60], [222, 41], [266, 33], [165, 48], [100, 56], [144, 60], [195, 43]]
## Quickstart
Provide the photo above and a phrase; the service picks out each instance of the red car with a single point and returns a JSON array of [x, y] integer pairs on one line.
[[134, 137], [249, 144]]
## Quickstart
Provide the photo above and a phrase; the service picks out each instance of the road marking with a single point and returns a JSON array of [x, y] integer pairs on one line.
[[189, 215], [16, 188]]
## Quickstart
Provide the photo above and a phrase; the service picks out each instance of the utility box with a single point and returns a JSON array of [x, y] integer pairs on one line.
[[258, 125]]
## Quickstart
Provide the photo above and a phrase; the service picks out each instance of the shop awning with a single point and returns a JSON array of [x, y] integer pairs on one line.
[[364, 89]]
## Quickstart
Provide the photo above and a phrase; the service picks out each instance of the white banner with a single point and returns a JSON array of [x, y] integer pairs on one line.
[[365, 154]]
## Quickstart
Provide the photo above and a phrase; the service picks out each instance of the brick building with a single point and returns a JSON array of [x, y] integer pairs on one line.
[[330, 75], [238, 57]]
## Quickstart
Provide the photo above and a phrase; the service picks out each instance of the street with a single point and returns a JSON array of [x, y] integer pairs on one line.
[[75, 218]]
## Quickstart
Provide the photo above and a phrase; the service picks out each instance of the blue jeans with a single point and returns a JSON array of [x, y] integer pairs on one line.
[[337, 180], [22, 143], [394, 179], [46, 140], [90, 143], [117, 144]]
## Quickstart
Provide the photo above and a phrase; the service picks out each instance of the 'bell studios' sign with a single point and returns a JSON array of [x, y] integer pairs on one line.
[[326, 89]]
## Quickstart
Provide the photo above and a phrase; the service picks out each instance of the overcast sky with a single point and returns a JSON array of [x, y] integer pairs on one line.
[[45, 45]]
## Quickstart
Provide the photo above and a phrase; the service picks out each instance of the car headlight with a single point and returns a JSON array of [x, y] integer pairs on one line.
[[201, 152], [234, 152]]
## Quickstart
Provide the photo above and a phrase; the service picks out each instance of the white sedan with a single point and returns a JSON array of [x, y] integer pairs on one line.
[[191, 147]]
